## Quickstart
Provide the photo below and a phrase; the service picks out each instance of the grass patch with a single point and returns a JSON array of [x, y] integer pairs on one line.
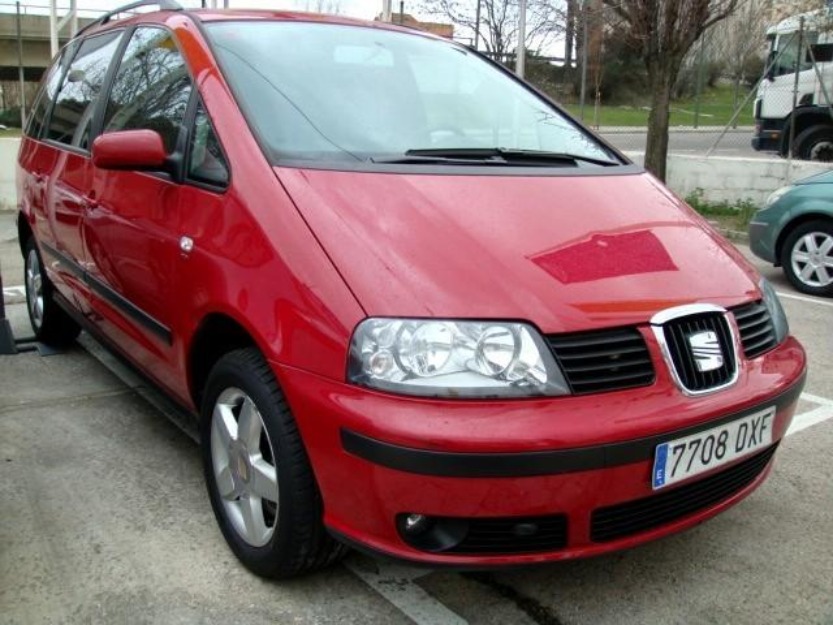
[[730, 215], [716, 108], [10, 132]]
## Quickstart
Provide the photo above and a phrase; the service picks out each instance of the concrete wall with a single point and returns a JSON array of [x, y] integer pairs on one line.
[[8, 163], [733, 178], [720, 178]]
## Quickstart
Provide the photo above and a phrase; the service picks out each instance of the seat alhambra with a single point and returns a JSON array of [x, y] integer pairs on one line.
[[410, 303]]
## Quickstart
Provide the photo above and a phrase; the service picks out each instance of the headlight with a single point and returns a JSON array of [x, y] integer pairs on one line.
[[776, 195], [437, 358], [776, 311]]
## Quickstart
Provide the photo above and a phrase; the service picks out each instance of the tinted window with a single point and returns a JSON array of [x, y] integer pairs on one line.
[[151, 88], [378, 92], [206, 162], [75, 103], [45, 97]]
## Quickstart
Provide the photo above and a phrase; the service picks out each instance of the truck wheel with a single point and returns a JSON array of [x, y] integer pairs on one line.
[[815, 144], [50, 323], [807, 257], [259, 479]]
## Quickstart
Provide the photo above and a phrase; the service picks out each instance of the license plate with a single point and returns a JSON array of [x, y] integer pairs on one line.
[[688, 456]]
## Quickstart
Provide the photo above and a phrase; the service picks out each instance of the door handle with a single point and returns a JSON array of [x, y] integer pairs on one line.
[[90, 202]]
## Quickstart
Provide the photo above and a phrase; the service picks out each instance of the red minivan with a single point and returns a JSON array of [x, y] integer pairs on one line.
[[413, 306]]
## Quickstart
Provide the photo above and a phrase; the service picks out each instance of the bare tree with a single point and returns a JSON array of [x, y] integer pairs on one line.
[[663, 31], [499, 22]]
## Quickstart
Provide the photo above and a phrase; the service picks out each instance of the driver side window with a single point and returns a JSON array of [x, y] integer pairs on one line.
[[152, 87]]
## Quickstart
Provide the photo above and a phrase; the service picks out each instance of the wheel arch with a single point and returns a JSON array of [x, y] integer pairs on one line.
[[792, 225], [24, 231], [216, 335]]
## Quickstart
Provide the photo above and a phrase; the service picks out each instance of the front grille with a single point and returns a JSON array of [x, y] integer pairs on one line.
[[604, 360], [678, 335], [757, 333], [644, 514], [513, 535]]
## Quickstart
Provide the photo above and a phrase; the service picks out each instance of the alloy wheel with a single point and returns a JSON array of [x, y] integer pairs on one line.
[[34, 288], [244, 467], [812, 259]]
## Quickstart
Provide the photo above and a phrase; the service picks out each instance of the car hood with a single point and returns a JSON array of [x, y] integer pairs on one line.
[[825, 177], [564, 252]]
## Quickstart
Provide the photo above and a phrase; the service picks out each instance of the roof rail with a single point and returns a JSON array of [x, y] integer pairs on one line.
[[165, 5]]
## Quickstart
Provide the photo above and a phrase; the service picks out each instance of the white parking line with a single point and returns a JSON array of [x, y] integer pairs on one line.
[[14, 291], [395, 582], [811, 417], [802, 298]]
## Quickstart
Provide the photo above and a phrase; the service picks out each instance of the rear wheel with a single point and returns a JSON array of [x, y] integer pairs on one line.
[[52, 325], [807, 257], [815, 144], [259, 479]]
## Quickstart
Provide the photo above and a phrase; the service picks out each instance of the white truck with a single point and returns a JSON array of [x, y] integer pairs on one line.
[[789, 109]]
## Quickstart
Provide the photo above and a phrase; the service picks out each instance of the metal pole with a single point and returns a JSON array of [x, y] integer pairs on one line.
[[73, 20], [821, 81], [20, 71], [698, 84], [583, 92], [401, 12], [53, 27], [520, 60], [795, 97], [477, 26]]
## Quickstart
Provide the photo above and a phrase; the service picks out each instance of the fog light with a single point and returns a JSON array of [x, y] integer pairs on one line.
[[416, 524]]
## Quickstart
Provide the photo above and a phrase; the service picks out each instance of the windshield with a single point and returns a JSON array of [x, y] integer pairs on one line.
[[323, 92]]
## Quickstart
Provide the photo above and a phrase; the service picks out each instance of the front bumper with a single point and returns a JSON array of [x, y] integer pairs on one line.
[[762, 241], [767, 137], [377, 457]]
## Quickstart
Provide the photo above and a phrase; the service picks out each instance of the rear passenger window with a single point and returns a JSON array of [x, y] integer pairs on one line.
[[44, 99], [152, 87], [75, 103]]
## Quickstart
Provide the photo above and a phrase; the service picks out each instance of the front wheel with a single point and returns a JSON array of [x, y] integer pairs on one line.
[[815, 144], [50, 323], [807, 257], [259, 479]]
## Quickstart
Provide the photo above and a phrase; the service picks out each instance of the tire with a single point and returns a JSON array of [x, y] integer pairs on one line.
[[807, 257], [51, 324], [815, 144], [260, 481]]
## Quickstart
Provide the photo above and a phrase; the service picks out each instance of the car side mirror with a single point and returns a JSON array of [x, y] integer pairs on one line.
[[130, 149]]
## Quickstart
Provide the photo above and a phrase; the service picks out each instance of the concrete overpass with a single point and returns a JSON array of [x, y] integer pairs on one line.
[[34, 30]]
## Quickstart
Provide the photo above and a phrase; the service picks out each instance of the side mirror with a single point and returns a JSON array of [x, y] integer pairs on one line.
[[130, 149]]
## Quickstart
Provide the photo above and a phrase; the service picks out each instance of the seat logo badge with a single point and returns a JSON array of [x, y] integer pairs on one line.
[[706, 351]]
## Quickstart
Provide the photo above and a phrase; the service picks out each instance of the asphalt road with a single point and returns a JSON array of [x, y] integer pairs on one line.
[[104, 519], [734, 143]]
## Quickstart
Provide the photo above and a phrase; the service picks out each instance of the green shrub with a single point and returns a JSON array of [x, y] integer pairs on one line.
[[742, 209]]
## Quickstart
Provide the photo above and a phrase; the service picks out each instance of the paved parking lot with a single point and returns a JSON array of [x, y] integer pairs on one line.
[[104, 519]]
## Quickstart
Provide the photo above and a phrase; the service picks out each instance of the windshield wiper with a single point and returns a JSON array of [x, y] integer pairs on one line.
[[508, 155], [410, 158]]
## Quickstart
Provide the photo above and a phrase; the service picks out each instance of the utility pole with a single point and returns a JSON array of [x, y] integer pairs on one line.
[[520, 61], [584, 42], [20, 76]]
